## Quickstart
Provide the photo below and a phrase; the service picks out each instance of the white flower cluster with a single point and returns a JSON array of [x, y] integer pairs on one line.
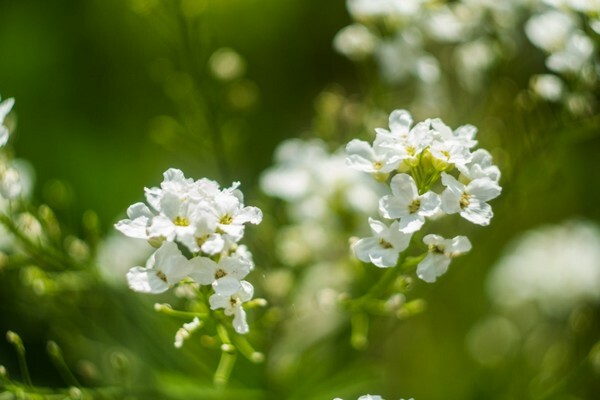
[[567, 32], [412, 159], [207, 222], [405, 37]]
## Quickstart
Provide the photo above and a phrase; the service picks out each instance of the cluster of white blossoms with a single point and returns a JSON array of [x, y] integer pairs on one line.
[[408, 39], [412, 160], [207, 223], [567, 31]]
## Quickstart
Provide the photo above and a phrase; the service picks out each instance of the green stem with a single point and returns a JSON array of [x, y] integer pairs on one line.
[[16, 341], [226, 364], [57, 358]]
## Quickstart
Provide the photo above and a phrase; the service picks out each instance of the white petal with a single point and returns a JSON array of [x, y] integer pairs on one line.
[[213, 245], [3, 135], [146, 280], [484, 189], [459, 245], [430, 202], [432, 266], [227, 286], [477, 212], [411, 223], [239, 320], [451, 201], [403, 185], [203, 270], [400, 122], [248, 214], [360, 155], [394, 206], [139, 210], [235, 267], [135, 229]]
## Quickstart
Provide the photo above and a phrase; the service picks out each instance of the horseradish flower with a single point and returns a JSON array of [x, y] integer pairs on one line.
[[407, 205], [232, 305], [5, 108], [228, 207], [376, 159], [355, 42], [224, 276], [383, 248], [441, 252], [166, 267], [140, 218], [469, 200]]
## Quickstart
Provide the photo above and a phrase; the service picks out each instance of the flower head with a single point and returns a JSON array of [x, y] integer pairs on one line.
[[384, 247], [441, 251]]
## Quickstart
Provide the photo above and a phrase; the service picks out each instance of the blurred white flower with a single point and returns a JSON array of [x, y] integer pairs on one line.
[[557, 267], [551, 30], [547, 86], [355, 42], [224, 276]]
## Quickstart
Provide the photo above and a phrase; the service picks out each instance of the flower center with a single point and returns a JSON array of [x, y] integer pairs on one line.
[[220, 273], [201, 240], [161, 275], [385, 245], [436, 249], [464, 200], [226, 219], [181, 221], [377, 165], [234, 301], [414, 206]]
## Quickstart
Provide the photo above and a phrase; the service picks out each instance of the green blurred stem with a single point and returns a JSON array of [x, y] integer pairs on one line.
[[57, 358], [16, 341]]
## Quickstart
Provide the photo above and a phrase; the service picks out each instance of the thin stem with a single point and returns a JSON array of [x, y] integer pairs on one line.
[[57, 358], [166, 309], [16, 341], [226, 364]]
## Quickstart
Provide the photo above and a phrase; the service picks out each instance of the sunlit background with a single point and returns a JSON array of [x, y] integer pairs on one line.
[[109, 94]]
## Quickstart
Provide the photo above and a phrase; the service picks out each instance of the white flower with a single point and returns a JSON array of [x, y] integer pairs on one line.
[[5, 108], [441, 251], [469, 200], [202, 236], [406, 204], [384, 247], [140, 218], [365, 397], [164, 268], [231, 214], [376, 159], [355, 42], [480, 166], [224, 276], [232, 304]]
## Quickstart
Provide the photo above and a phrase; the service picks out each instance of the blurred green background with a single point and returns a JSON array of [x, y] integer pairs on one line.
[[100, 95]]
